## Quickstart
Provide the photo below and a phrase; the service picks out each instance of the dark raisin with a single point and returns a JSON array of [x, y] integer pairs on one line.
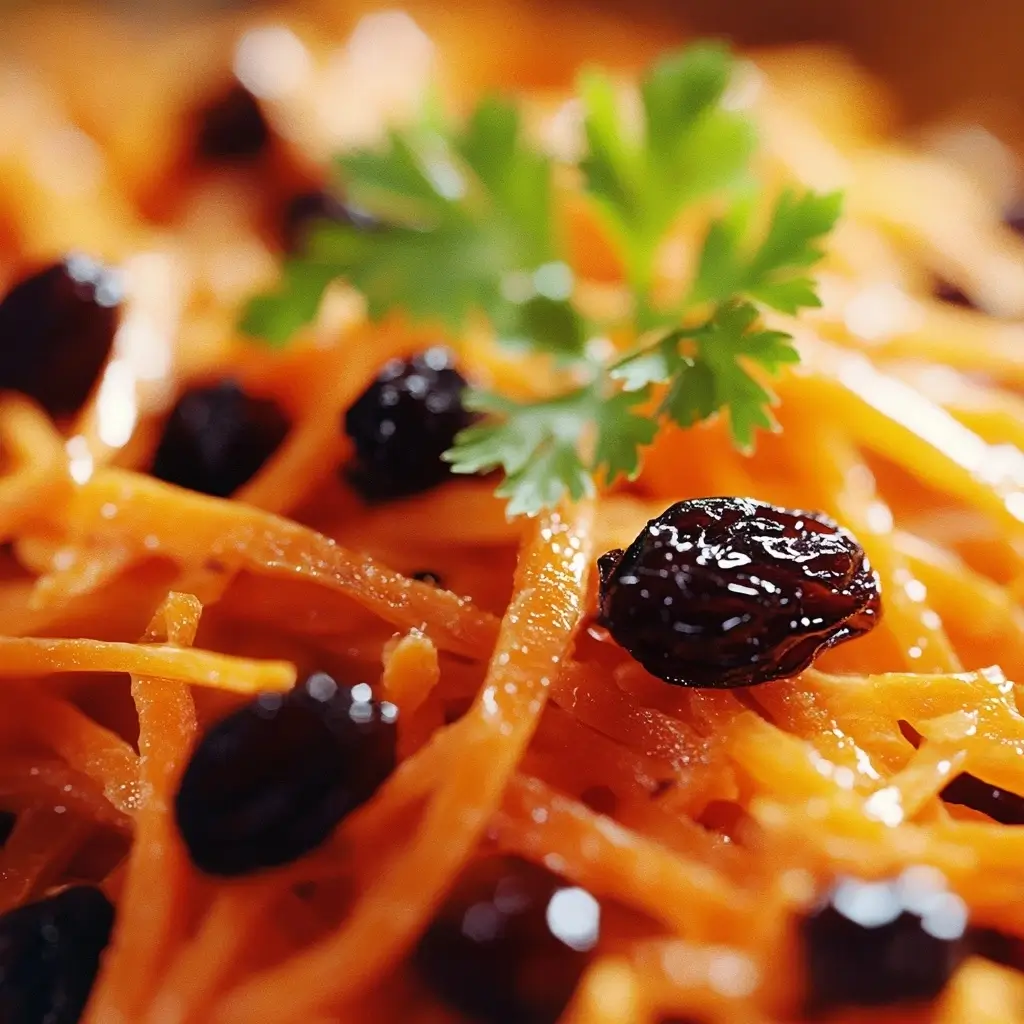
[[510, 944], [216, 439], [883, 943], [50, 955], [969, 791], [403, 422], [307, 210], [727, 592], [56, 331], [429, 576], [232, 128], [8, 819], [270, 782]]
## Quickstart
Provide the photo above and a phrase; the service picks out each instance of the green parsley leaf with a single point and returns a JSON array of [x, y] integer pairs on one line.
[[470, 215], [730, 344], [276, 316], [773, 272], [686, 147], [622, 432], [470, 230], [537, 446]]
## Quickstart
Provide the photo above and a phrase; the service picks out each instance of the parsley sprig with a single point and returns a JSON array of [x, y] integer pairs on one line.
[[472, 232]]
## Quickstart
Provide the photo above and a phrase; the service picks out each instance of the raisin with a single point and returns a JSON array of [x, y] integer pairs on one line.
[[50, 955], [307, 210], [1000, 804], [56, 331], [402, 424], [510, 943], [270, 782], [723, 592], [8, 819], [232, 128], [217, 438], [883, 943]]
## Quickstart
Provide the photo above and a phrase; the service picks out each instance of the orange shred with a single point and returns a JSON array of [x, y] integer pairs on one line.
[[134, 613]]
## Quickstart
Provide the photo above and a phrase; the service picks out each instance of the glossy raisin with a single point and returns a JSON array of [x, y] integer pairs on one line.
[[723, 592], [232, 128], [216, 439], [510, 943], [56, 331], [308, 210], [883, 943], [1000, 804], [402, 424], [50, 954], [270, 782]]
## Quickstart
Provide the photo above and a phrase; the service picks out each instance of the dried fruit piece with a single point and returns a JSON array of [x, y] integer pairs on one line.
[[50, 955], [270, 782], [510, 943], [217, 438], [402, 424], [56, 331], [723, 592], [883, 943], [232, 128]]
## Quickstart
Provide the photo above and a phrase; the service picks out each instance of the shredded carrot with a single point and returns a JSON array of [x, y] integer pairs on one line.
[[135, 613], [152, 913], [535, 638], [28, 656]]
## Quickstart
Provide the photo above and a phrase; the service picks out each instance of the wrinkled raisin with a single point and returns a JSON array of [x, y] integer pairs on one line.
[[510, 943], [270, 782], [50, 955], [308, 210], [402, 424], [883, 943], [232, 128], [725, 592], [1000, 804], [56, 331], [216, 439]]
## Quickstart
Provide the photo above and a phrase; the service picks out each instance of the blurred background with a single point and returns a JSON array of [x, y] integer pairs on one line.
[[131, 81], [939, 55]]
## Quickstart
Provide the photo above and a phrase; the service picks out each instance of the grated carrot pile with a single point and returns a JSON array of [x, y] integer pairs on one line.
[[135, 613]]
